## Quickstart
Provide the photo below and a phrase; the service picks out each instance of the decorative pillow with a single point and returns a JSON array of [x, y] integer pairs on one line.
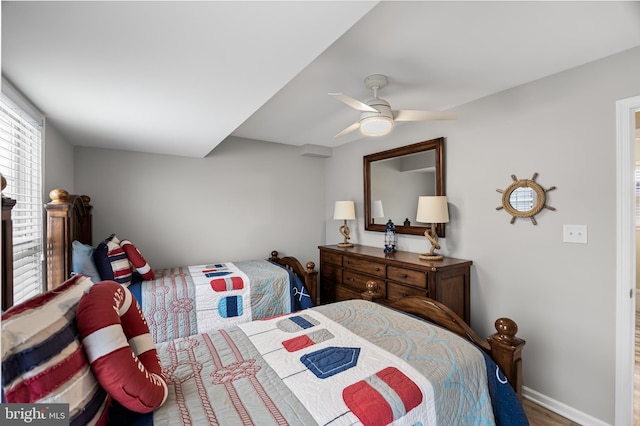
[[43, 360], [119, 347], [137, 260], [82, 261], [112, 262]]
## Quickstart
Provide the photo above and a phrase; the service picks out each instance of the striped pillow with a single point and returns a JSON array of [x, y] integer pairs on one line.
[[112, 261], [43, 360], [137, 260]]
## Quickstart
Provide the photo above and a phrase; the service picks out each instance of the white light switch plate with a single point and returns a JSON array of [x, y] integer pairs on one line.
[[574, 234]]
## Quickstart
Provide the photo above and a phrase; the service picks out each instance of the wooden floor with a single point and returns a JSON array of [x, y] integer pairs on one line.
[[540, 416]]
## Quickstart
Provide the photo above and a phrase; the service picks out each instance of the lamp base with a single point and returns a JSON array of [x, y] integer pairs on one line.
[[431, 256], [345, 245]]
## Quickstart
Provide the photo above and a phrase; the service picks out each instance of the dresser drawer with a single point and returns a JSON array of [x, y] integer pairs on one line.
[[397, 291], [358, 281], [329, 257], [331, 273], [366, 266], [407, 276]]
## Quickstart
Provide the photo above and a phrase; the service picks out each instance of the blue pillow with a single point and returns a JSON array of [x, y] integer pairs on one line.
[[82, 261]]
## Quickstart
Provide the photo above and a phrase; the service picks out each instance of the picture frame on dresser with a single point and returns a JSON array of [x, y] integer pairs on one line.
[[345, 272]]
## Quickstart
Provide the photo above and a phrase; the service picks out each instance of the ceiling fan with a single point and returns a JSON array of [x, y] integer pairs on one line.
[[376, 115]]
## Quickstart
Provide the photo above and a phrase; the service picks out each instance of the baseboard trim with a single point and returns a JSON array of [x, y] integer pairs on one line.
[[561, 409]]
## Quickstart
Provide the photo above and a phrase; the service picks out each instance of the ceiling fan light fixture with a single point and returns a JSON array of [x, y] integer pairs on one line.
[[376, 125], [376, 115]]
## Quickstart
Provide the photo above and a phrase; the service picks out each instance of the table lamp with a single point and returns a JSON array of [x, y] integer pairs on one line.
[[344, 210], [432, 209]]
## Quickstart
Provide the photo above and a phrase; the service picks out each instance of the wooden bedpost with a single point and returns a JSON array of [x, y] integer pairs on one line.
[[312, 281], [506, 350], [68, 219], [7, 249]]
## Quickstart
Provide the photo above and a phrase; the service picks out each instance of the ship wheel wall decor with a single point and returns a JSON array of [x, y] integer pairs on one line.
[[524, 198]]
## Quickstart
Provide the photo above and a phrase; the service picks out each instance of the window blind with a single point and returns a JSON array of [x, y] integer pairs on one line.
[[20, 164]]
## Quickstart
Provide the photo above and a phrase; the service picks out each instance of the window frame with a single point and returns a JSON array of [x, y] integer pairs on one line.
[[22, 152]]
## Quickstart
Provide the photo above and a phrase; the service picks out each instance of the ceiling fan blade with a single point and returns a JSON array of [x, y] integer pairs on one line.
[[413, 115], [353, 103], [349, 129]]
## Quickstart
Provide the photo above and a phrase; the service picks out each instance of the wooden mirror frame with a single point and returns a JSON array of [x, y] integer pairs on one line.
[[433, 144]]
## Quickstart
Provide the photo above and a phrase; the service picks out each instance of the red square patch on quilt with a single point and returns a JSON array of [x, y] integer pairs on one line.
[[227, 284], [383, 397]]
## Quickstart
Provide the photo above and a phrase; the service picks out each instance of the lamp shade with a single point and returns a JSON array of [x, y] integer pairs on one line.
[[376, 209], [432, 209], [344, 210]]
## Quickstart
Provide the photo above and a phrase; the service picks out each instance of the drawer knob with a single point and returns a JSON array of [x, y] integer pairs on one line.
[[350, 279], [377, 269], [404, 275]]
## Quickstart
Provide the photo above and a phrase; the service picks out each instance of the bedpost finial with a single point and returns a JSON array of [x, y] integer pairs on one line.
[[311, 266], [373, 291], [58, 195], [3, 182], [86, 200], [506, 330], [274, 254]]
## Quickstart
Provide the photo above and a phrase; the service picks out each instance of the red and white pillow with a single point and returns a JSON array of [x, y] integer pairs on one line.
[[112, 262], [120, 348], [43, 360], [137, 260]]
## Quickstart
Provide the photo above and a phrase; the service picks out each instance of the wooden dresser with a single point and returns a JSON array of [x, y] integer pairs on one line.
[[344, 273]]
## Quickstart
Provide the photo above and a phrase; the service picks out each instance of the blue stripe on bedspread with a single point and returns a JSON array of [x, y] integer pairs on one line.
[[136, 290], [300, 298], [507, 409]]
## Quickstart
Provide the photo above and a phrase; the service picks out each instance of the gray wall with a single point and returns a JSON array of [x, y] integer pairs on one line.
[[241, 202], [58, 162], [562, 295]]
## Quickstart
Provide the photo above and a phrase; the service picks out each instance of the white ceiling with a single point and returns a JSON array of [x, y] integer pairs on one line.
[[179, 77]]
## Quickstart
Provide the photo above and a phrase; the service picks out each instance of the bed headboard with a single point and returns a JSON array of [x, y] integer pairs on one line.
[[7, 248], [69, 218]]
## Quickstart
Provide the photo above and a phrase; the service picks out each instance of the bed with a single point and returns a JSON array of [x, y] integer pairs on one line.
[[351, 362], [180, 302], [177, 301]]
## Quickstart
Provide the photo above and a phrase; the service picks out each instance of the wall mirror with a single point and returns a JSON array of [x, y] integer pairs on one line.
[[393, 181], [524, 198]]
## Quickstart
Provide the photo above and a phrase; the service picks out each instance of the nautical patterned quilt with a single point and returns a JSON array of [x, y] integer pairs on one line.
[[185, 301], [352, 362]]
